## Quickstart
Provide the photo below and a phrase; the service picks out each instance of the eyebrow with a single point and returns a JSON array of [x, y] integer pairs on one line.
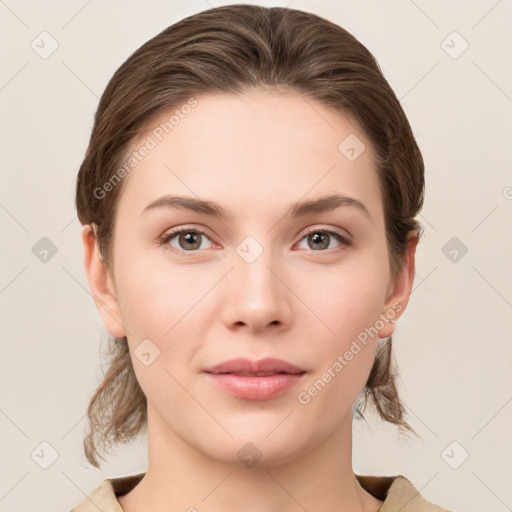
[[296, 210]]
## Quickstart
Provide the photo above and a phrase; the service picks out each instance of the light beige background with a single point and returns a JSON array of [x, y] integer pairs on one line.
[[453, 345]]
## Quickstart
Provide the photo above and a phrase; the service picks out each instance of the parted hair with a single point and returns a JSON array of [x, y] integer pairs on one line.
[[234, 49]]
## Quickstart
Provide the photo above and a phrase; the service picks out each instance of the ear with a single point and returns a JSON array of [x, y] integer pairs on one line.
[[400, 288], [101, 284]]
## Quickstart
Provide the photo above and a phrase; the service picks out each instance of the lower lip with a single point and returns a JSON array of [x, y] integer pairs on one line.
[[256, 388]]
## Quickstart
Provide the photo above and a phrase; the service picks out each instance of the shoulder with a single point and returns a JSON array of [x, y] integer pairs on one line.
[[397, 491], [104, 498], [394, 491]]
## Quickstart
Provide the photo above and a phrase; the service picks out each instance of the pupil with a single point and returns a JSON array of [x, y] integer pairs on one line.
[[318, 238], [191, 239]]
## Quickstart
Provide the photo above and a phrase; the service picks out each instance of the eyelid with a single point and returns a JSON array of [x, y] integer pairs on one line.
[[328, 229]]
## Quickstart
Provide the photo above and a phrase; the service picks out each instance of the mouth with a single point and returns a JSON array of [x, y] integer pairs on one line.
[[261, 368], [257, 374], [255, 380]]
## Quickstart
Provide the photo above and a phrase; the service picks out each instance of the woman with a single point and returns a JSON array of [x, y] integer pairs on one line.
[[248, 203]]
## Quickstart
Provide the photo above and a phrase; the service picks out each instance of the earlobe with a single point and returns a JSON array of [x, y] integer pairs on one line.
[[100, 284], [401, 289]]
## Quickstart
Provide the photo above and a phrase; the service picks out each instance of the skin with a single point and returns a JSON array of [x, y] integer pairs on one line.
[[299, 301]]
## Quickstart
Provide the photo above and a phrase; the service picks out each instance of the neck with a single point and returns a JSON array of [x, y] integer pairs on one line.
[[179, 477]]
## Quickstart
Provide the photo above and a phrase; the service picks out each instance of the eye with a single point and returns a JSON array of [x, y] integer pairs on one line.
[[187, 239], [320, 239], [191, 239]]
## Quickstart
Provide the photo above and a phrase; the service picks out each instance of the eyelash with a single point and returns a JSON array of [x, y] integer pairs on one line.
[[332, 232]]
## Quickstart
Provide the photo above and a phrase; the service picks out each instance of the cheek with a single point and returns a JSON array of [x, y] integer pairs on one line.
[[156, 299], [347, 299], [174, 308], [348, 303]]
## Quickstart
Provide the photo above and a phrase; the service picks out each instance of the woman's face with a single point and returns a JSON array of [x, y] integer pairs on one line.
[[270, 279]]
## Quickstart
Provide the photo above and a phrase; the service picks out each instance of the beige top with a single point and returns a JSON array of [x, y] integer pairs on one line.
[[396, 492]]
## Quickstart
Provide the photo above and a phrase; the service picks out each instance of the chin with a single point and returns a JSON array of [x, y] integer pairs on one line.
[[258, 450]]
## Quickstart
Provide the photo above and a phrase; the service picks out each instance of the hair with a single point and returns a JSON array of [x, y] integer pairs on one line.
[[232, 50]]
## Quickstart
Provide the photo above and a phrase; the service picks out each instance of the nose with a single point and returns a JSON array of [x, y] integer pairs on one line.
[[256, 295]]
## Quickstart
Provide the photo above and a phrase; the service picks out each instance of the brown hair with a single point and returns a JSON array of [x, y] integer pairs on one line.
[[232, 49]]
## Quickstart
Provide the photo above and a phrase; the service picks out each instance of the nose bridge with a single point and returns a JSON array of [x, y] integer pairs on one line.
[[253, 276], [256, 296]]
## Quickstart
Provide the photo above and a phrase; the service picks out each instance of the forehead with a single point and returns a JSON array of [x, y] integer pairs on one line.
[[252, 149]]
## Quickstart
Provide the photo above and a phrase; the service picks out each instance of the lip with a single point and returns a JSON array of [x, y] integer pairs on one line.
[[255, 380]]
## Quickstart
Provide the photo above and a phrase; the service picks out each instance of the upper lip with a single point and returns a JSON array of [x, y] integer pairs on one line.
[[268, 365]]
